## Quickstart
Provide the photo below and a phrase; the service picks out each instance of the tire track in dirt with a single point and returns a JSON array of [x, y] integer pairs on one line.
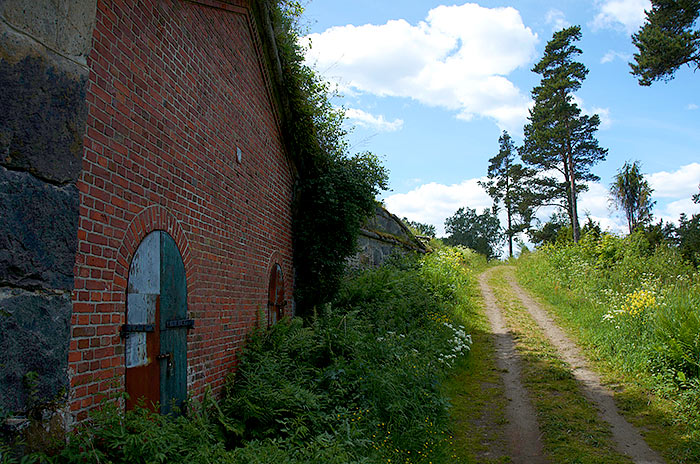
[[627, 438], [522, 428]]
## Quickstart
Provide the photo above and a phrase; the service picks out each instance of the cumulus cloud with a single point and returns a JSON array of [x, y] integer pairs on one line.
[[433, 203], [612, 55], [458, 58], [692, 107], [595, 203], [370, 121], [627, 15], [557, 19], [673, 210], [680, 184]]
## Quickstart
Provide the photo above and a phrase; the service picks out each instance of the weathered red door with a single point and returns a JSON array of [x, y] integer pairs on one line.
[[275, 295], [155, 330]]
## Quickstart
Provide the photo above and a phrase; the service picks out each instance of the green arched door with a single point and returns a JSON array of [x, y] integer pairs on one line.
[[156, 328]]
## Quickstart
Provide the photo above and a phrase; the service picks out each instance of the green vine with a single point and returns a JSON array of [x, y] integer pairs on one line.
[[336, 191]]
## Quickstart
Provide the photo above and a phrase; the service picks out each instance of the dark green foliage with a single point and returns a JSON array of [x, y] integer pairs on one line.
[[332, 204], [335, 192], [669, 39], [687, 237], [419, 228], [360, 383], [553, 231], [366, 371], [631, 193], [506, 185], [140, 436], [558, 137], [591, 228], [480, 232]]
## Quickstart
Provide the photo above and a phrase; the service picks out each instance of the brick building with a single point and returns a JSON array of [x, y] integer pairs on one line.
[[151, 199]]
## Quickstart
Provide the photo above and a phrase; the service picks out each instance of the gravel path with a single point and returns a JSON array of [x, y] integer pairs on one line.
[[627, 438], [522, 429]]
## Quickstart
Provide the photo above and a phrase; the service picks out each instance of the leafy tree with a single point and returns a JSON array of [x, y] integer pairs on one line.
[[687, 237], [556, 229], [480, 232], [506, 185], [335, 192], [696, 197], [559, 138], [591, 228], [669, 39], [631, 193], [419, 228]]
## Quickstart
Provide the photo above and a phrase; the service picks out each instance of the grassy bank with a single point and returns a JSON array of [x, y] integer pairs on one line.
[[361, 382], [571, 429], [476, 392], [636, 311]]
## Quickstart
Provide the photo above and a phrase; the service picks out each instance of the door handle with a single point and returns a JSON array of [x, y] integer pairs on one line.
[[169, 357]]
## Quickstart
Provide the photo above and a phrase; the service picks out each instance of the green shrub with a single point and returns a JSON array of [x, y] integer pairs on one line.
[[637, 305], [360, 382], [365, 372]]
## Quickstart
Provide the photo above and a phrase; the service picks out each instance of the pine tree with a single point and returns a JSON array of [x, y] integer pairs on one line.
[[559, 138], [505, 185], [669, 39]]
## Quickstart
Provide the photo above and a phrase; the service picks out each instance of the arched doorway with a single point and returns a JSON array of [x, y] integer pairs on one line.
[[156, 325], [275, 296]]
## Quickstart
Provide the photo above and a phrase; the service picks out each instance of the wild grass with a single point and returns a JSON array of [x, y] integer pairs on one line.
[[571, 429], [477, 397], [637, 310], [360, 382]]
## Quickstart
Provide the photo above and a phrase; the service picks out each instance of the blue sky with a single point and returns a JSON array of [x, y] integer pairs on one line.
[[429, 87]]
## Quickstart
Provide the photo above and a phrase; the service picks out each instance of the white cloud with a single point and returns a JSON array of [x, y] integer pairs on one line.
[[596, 204], [621, 14], [458, 58], [433, 203], [557, 19], [680, 184], [612, 55], [692, 107], [673, 210], [379, 123]]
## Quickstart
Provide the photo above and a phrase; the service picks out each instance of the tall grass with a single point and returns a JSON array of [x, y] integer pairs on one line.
[[361, 382], [637, 307]]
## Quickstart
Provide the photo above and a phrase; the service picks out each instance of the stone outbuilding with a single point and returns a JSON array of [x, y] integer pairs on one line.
[[145, 199]]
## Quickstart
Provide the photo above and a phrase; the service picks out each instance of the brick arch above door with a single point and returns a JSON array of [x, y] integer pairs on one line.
[[153, 218]]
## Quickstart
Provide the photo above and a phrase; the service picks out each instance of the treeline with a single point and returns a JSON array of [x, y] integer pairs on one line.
[[553, 166]]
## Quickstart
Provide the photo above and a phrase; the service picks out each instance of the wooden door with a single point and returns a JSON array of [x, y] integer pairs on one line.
[[142, 340], [275, 296], [173, 327], [155, 332]]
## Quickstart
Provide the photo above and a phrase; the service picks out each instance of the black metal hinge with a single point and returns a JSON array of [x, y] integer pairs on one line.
[[126, 329], [180, 324]]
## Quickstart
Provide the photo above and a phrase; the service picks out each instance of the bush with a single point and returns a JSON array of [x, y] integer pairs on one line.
[[636, 304], [360, 382], [366, 372]]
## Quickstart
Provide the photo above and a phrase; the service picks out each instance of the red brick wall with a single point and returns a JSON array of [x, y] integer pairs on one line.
[[175, 88]]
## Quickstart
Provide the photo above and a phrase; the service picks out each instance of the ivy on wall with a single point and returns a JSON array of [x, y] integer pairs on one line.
[[336, 191]]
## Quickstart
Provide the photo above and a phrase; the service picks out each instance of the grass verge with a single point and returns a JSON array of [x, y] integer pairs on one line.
[[571, 430], [476, 392], [635, 392]]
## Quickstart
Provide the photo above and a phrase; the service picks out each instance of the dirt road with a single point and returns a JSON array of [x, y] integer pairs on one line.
[[523, 431]]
